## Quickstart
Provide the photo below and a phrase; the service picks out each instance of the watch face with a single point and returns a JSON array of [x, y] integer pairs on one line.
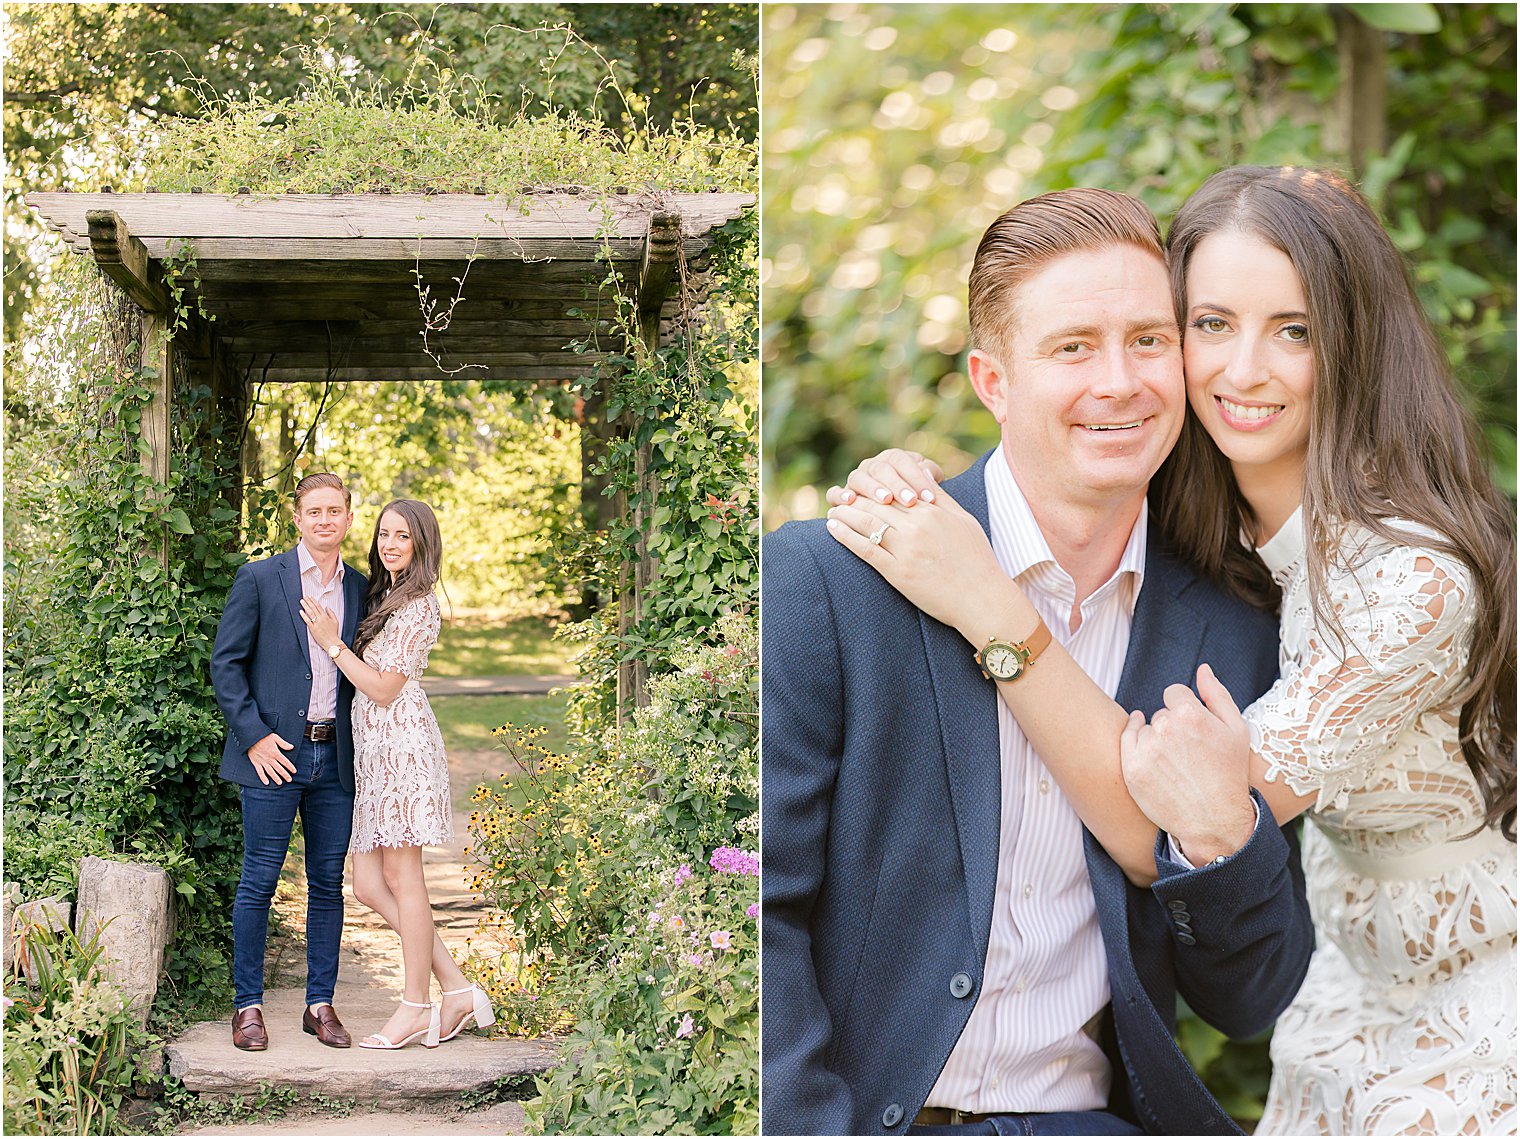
[[1002, 661]]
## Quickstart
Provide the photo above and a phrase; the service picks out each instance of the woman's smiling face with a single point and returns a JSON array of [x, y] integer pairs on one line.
[[1247, 354]]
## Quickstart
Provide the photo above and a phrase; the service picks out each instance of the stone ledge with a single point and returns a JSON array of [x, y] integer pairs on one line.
[[205, 1061]]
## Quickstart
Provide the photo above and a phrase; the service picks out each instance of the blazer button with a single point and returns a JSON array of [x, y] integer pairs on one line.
[[1177, 904], [308, 676], [302, 712], [1187, 939], [892, 1116], [1181, 917], [960, 986]]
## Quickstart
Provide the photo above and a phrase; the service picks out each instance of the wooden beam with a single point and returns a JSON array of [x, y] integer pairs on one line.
[[500, 356], [529, 250], [392, 215], [125, 260], [573, 368], [662, 249]]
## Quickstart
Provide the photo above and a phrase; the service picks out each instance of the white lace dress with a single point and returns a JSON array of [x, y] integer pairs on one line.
[[1406, 1022], [401, 778]]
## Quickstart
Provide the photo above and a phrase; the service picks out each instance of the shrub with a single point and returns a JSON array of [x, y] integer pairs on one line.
[[669, 1041], [73, 1049]]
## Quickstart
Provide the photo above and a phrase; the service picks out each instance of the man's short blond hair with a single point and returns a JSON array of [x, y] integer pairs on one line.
[[1032, 234], [322, 480]]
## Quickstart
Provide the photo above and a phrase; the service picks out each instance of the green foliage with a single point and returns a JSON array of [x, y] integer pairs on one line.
[[77, 75], [73, 1049], [896, 134], [499, 464], [114, 588], [669, 1043], [687, 470], [588, 859], [179, 1109]]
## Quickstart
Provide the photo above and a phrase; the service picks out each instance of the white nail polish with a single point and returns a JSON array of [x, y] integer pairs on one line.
[[881, 494], [927, 496]]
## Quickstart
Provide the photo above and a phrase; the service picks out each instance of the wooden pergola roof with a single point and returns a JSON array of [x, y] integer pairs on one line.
[[325, 286]]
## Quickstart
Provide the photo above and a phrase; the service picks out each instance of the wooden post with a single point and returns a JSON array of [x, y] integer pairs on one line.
[[662, 247]]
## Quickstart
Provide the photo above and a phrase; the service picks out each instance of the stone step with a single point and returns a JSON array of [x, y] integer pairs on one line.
[[500, 1119], [204, 1060]]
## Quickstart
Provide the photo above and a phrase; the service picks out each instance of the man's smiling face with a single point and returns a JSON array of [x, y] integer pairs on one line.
[[1089, 387]]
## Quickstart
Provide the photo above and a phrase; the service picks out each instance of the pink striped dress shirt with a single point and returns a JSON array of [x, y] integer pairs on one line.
[[323, 704], [1024, 1048]]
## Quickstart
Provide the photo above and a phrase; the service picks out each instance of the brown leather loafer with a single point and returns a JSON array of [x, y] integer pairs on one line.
[[326, 1027], [248, 1030]]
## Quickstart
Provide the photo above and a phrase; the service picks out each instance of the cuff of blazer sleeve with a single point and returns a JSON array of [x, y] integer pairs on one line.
[[1263, 853], [1175, 853]]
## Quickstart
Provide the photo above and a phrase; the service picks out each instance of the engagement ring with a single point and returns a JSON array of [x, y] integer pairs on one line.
[[875, 536]]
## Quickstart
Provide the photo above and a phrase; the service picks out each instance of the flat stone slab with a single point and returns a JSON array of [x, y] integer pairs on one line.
[[499, 1119], [205, 1061]]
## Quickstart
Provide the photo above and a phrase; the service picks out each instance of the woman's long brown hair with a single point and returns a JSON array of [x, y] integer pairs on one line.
[[416, 580], [1388, 437]]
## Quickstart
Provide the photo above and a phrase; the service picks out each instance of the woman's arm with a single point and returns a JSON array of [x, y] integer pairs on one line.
[[380, 687], [939, 558]]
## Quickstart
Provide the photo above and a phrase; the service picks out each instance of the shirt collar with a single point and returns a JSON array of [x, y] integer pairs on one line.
[[308, 563], [1018, 542]]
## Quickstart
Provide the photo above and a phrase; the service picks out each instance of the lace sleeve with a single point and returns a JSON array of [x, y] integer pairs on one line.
[[1405, 618], [410, 636]]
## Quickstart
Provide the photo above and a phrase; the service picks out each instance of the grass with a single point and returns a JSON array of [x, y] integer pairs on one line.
[[497, 644], [466, 721]]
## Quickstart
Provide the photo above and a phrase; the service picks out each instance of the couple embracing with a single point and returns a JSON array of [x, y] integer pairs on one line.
[[316, 668], [1004, 832]]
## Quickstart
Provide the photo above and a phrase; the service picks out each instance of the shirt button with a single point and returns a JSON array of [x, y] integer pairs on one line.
[[996, 1083], [1028, 889], [1044, 786], [1020, 985]]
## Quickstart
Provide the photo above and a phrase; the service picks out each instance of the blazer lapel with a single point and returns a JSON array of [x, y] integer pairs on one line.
[[968, 721], [290, 581], [353, 602], [1165, 638]]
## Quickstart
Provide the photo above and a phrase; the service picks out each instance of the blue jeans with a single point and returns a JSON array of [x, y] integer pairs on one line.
[[1037, 1123], [269, 812]]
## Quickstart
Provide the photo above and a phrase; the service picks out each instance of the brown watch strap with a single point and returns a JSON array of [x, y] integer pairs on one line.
[[1037, 641]]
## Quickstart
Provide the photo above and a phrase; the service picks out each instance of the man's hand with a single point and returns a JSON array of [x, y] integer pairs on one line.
[[1189, 769], [272, 764]]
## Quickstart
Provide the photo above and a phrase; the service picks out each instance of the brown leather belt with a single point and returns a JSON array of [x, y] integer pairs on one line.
[[321, 731], [939, 1116]]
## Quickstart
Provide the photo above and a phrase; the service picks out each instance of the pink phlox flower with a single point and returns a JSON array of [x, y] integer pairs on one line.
[[694, 959], [683, 872], [753, 911], [733, 860]]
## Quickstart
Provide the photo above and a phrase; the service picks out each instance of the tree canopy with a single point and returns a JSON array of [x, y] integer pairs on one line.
[[77, 75], [895, 134]]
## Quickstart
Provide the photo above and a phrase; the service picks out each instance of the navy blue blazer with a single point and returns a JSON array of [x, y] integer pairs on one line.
[[881, 775], [261, 663]]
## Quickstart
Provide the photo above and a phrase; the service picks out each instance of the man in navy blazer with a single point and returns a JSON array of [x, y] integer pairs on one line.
[[886, 835], [290, 750]]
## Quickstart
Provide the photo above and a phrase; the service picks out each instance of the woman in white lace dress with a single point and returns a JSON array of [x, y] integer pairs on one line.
[[1325, 431], [401, 777]]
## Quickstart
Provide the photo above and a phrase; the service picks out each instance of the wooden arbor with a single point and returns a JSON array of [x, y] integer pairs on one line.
[[353, 287]]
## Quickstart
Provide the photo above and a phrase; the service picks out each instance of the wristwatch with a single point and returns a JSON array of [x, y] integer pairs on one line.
[[1007, 660], [335, 651]]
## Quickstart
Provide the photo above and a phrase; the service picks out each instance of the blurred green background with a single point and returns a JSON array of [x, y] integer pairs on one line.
[[894, 134]]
